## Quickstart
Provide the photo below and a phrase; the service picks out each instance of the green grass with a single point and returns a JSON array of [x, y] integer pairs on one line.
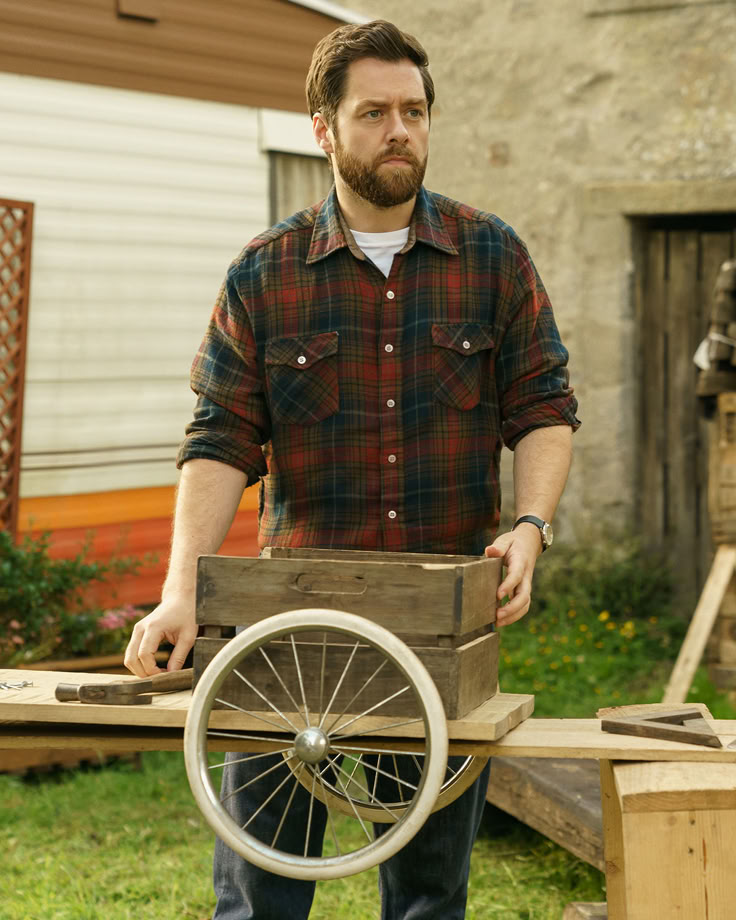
[[126, 844]]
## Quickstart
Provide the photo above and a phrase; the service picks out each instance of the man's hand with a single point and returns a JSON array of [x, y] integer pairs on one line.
[[519, 550], [173, 621]]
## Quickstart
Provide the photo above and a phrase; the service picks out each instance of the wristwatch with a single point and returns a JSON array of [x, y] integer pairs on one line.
[[545, 528]]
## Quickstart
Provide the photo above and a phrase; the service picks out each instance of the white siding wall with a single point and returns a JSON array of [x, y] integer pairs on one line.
[[141, 203]]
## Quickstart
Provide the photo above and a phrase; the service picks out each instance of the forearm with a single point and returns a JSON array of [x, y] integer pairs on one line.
[[207, 498], [541, 464]]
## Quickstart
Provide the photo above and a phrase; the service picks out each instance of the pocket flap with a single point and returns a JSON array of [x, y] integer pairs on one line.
[[302, 352], [465, 338]]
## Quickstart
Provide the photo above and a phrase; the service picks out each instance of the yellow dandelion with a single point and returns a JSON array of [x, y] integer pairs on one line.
[[652, 619], [542, 640], [567, 659], [572, 614], [578, 641], [529, 662], [583, 627], [554, 665], [563, 640], [599, 645], [604, 615], [610, 625]]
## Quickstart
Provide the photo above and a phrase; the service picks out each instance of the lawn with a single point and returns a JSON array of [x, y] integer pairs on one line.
[[129, 844]]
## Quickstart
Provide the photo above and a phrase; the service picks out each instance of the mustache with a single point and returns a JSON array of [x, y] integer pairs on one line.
[[398, 151]]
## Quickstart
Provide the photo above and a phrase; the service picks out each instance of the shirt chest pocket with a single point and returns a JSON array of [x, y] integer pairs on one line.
[[460, 352], [302, 378]]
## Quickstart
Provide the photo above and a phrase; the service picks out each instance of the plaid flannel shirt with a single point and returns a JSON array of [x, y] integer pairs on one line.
[[373, 409]]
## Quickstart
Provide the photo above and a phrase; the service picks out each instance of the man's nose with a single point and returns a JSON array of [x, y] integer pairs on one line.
[[397, 130]]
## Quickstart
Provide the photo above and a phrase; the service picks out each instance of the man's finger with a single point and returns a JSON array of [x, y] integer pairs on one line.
[[178, 656], [130, 660]]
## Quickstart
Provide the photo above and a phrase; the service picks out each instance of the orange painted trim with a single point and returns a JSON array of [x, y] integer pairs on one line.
[[95, 509]]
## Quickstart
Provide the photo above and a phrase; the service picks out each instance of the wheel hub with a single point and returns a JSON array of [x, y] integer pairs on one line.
[[311, 745]]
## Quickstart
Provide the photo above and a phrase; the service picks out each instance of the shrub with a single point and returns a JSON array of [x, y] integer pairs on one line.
[[42, 606], [599, 632]]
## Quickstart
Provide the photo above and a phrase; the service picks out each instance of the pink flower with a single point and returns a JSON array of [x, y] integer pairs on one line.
[[14, 624], [19, 640]]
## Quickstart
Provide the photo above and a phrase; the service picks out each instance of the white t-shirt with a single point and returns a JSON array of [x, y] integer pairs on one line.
[[381, 248]]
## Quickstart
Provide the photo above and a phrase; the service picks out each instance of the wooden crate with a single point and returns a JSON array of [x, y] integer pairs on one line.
[[443, 607]]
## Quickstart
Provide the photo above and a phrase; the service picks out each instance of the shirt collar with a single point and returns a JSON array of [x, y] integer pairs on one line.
[[332, 233]]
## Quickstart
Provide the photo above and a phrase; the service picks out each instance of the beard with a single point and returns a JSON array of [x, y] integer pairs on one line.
[[388, 188]]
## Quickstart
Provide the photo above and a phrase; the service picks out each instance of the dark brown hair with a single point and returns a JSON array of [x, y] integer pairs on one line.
[[337, 51]]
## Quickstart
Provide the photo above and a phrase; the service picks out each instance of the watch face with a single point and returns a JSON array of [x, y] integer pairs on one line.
[[547, 535]]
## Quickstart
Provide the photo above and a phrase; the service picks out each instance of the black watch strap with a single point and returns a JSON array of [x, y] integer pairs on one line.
[[538, 522]]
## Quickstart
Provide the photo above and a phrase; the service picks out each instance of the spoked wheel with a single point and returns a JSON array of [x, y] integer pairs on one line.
[[331, 693], [460, 774]]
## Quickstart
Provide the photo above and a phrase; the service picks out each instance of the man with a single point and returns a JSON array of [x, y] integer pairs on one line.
[[365, 360]]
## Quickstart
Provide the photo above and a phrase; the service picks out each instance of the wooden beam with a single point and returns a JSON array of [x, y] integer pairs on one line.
[[701, 625]]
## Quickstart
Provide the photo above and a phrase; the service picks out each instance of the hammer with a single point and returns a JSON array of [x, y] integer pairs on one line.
[[126, 692]]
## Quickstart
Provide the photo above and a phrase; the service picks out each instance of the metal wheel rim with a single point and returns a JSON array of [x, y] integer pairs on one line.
[[207, 797]]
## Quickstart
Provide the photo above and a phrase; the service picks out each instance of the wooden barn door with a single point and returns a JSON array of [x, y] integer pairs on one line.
[[679, 262], [16, 218]]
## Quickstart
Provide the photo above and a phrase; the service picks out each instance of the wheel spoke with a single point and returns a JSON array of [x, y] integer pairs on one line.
[[354, 749], [394, 777], [372, 709], [266, 700], [279, 679], [301, 682], [339, 683], [239, 736], [252, 780], [255, 715], [322, 675], [329, 813], [396, 770], [309, 816], [380, 666], [230, 763], [265, 802], [372, 731], [378, 802], [288, 804], [352, 804]]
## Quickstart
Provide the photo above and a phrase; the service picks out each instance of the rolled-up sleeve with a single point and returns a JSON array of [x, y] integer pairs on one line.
[[531, 364], [231, 420]]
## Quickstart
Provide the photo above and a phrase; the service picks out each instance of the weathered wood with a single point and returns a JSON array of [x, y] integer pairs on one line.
[[560, 798], [701, 625], [429, 596], [698, 732], [465, 677], [587, 910], [723, 676]]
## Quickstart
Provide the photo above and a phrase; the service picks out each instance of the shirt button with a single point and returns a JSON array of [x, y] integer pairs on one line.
[[392, 458], [466, 344], [301, 359], [392, 514], [390, 403], [390, 295], [388, 348]]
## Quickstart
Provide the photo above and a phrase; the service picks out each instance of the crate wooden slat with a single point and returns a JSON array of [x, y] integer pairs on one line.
[[407, 593]]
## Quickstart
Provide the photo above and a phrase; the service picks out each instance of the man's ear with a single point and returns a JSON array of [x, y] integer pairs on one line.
[[322, 133]]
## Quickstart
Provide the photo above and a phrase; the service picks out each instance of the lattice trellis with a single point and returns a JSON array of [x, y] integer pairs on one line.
[[16, 219]]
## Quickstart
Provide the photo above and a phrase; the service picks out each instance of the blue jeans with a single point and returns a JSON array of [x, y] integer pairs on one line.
[[426, 880]]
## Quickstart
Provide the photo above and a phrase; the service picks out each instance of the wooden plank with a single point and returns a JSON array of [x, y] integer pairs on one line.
[[614, 852], [406, 597], [680, 864], [585, 910], [701, 625], [676, 787], [651, 310], [560, 798], [681, 412]]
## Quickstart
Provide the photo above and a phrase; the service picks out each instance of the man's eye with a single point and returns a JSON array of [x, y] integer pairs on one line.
[[416, 113], [372, 115]]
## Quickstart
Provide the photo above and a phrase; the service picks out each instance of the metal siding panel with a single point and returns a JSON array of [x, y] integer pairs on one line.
[[131, 244]]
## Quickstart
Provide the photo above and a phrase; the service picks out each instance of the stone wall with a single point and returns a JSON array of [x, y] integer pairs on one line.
[[564, 117]]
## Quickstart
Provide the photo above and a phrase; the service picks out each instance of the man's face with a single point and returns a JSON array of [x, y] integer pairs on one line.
[[381, 134]]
